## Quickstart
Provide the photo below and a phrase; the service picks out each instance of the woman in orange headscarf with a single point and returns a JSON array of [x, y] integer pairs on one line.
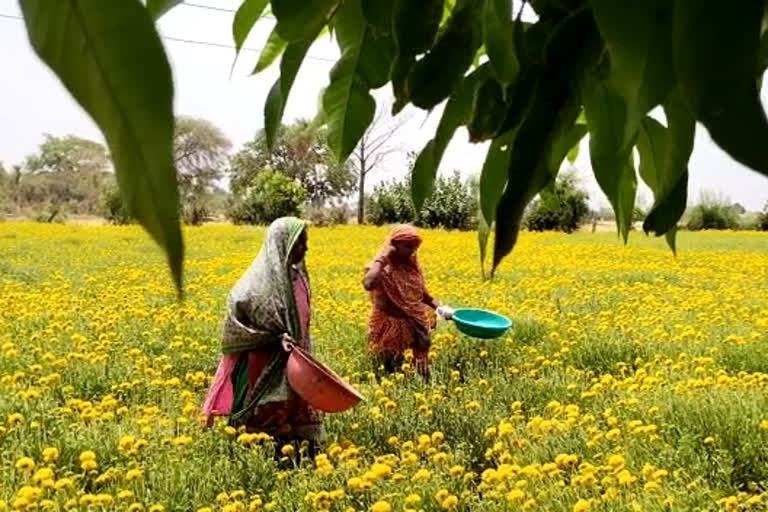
[[400, 319]]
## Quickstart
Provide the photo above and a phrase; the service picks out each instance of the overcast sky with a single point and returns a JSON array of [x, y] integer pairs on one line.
[[32, 102]]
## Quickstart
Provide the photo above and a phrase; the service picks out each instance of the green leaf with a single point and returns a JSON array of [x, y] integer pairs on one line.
[[489, 111], [483, 233], [274, 47], [433, 78], [608, 153], [573, 47], [456, 112], [564, 146], [415, 25], [157, 8], [573, 153], [716, 54], [664, 154], [365, 62], [110, 58], [299, 20], [499, 40], [278, 94], [637, 35], [493, 177], [246, 17], [379, 15]]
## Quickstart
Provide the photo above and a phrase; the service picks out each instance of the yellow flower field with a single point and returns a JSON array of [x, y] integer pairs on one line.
[[631, 380]]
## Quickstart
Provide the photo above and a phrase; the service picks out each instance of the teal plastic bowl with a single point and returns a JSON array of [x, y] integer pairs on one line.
[[480, 323]]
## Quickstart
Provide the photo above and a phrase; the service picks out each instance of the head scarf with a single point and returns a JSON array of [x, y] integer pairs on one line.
[[263, 297], [401, 233]]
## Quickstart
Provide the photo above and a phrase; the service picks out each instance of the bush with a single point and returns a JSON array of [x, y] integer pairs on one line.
[[269, 195], [452, 205], [330, 215], [50, 214], [563, 208], [115, 210], [713, 215], [762, 220], [390, 203]]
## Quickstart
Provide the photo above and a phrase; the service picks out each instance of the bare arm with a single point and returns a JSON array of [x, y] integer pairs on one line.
[[429, 300], [371, 278]]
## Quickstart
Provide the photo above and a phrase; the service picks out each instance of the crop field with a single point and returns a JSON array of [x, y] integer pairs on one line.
[[631, 379]]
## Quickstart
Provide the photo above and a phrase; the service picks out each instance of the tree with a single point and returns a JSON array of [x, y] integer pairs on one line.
[[564, 207], [597, 66], [71, 171], [201, 155], [374, 146], [300, 152], [270, 195], [763, 219], [739, 208]]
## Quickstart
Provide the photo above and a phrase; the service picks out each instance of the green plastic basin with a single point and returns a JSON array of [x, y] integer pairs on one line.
[[480, 323]]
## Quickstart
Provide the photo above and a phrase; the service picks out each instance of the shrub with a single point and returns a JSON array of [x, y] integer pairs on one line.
[[329, 215], [562, 208], [269, 195], [713, 215], [115, 210], [452, 204], [762, 220], [390, 203]]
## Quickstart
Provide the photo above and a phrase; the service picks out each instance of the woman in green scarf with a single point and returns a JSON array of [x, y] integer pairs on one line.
[[268, 305]]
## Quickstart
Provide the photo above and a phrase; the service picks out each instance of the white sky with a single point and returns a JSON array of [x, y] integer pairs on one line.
[[32, 102]]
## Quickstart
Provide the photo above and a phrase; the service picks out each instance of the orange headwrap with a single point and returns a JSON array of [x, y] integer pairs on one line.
[[401, 233]]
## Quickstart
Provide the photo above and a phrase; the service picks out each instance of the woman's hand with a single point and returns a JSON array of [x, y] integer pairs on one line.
[[288, 342], [445, 312]]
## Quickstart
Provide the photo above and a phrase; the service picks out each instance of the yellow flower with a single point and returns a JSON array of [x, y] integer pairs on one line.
[[422, 475], [136, 507], [50, 454], [652, 487], [157, 508], [450, 502], [43, 474], [412, 500], [87, 455], [15, 419], [133, 474], [581, 506], [125, 494], [515, 496], [381, 506], [63, 483], [25, 464]]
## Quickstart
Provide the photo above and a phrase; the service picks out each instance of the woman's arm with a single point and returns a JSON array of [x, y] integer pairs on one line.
[[371, 278], [429, 300], [372, 275]]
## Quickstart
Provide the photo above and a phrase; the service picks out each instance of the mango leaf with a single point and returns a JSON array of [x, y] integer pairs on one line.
[[433, 78], [493, 177], [573, 47], [121, 77], [489, 112], [299, 20], [718, 80], [563, 147], [499, 40], [274, 47], [157, 8], [483, 233], [636, 33], [379, 15], [246, 17], [608, 153], [415, 25], [278, 94], [664, 154], [364, 63], [573, 153], [456, 112]]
